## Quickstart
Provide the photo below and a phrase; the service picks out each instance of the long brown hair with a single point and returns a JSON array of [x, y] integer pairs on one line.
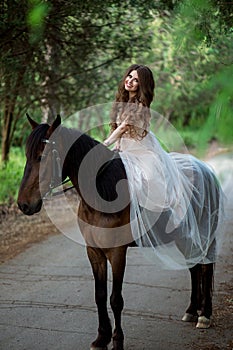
[[146, 86], [144, 97]]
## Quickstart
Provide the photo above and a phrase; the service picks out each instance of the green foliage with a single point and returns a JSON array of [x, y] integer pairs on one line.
[[191, 137], [38, 10], [62, 56], [37, 13], [208, 31], [11, 175], [181, 77], [221, 109], [193, 22], [192, 63]]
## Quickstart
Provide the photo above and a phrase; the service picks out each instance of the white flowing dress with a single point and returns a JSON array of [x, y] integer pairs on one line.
[[176, 203]]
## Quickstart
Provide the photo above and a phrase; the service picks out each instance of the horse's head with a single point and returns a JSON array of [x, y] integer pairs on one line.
[[37, 172]]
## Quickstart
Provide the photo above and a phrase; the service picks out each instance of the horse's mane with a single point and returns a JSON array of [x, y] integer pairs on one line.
[[112, 170], [76, 145], [34, 142]]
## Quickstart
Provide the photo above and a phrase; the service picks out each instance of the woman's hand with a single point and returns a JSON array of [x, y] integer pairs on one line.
[[117, 146], [117, 133]]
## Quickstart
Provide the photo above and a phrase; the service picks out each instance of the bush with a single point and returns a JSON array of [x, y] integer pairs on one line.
[[10, 175]]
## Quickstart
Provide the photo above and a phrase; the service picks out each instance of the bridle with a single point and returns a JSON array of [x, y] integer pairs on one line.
[[56, 172]]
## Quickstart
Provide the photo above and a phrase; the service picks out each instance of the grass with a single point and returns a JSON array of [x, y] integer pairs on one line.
[[11, 175]]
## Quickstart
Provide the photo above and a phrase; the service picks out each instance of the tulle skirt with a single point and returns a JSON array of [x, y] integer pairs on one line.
[[176, 204]]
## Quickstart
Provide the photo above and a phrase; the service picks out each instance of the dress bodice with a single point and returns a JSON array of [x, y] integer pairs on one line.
[[136, 116]]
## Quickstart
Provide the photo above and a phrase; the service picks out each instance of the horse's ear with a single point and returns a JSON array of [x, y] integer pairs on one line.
[[32, 122], [54, 126]]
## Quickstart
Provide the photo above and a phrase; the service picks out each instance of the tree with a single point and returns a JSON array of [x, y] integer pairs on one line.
[[64, 55], [54, 52], [192, 58], [15, 53]]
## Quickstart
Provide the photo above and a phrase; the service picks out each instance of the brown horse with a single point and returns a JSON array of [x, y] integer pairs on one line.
[[55, 153]]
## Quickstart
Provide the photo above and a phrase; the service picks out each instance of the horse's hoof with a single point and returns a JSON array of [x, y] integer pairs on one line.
[[203, 322], [189, 317], [117, 345], [101, 342]]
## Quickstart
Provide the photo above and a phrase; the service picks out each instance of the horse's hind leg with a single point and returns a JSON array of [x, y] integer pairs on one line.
[[201, 295], [99, 266], [117, 258], [191, 314], [207, 291]]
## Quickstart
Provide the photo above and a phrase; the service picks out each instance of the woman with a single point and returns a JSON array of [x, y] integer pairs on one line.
[[135, 92], [173, 196]]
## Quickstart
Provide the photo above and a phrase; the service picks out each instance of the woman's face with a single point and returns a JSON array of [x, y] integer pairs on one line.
[[131, 82]]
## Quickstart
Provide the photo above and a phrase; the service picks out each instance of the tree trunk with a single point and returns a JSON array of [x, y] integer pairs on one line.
[[11, 95], [6, 135], [7, 122], [51, 103]]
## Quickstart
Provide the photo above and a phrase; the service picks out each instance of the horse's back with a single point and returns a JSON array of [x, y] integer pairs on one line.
[[201, 177]]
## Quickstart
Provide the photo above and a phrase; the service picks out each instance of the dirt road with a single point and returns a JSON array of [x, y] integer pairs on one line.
[[47, 294]]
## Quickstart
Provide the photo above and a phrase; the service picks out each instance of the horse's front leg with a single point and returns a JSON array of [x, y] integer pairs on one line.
[[99, 266], [117, 258]]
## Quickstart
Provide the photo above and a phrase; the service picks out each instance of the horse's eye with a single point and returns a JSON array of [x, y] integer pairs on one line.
[[40, 158]]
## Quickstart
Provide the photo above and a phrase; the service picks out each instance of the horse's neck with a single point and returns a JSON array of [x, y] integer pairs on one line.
[[91, 168], [82, 154]]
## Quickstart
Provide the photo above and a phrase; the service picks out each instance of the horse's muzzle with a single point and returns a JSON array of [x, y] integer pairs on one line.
[[30, 209]]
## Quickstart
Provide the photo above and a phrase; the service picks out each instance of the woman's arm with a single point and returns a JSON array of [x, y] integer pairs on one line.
[[117, 133]]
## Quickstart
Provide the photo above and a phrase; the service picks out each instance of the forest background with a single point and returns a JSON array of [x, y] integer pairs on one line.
[[62, 56]]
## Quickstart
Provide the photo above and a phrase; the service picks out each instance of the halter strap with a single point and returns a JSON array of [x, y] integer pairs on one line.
[[56, 172]]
